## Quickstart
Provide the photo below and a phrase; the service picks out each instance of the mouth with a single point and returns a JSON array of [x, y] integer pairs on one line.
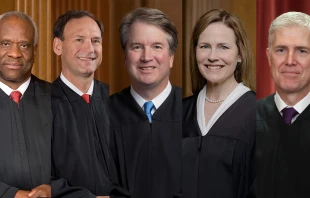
[[214, 67], [290, 72], [13, 65], [147, 68], [87, 58]]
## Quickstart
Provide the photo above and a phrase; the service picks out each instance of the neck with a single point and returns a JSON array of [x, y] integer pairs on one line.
[[13, 85], [292, 98], [149, 92], [81, 82], [220, 91]]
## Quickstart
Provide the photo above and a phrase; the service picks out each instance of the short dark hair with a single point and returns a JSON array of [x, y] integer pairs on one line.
[[63, 19], [153, 17]]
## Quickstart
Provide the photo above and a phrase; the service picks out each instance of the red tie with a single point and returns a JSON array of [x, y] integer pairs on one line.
[[15, 95], [86, 98]]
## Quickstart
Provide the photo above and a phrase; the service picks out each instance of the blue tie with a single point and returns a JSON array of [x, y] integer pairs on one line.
[[148, 106]]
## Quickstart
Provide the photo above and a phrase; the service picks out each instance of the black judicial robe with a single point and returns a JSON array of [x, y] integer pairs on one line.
[[220, 164], [80, 154], [283, 153], [25, 139], [148, 156]]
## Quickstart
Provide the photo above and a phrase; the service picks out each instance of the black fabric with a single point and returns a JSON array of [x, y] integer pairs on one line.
[[282, 152], [148, 156], [81, 158], [25, 142], [220, 164]]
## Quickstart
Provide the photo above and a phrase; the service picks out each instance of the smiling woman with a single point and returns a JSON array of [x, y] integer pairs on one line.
[[222, 143]]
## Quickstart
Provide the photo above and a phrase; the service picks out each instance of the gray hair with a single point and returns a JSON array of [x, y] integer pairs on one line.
[[153, 17], [288, 19], [25, 17]]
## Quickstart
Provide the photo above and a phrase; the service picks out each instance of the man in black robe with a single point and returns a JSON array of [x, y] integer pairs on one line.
[[25, 112], [146, 128], [80, 154], [283, 118]]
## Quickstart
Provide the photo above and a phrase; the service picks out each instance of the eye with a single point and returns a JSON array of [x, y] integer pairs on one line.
[[279, 50], [136, 47], [24, 46], [96, 41], [204, 46], [5, 44], [303, 51], [157, 47], [224, 47], [79, 40]]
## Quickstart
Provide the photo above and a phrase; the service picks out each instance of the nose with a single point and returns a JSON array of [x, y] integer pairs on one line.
[[290, 58], [212, 56], [88, 46], [15, 52], [146, 55]]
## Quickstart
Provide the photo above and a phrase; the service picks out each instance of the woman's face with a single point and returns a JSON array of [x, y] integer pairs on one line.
[[217, 53]]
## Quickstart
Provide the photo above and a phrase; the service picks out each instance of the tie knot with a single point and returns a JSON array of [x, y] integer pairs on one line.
[[148, 106], [86, 98], [15, 95], [288, 114]]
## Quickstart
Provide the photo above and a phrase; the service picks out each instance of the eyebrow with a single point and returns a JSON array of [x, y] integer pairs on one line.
[[296, 47], [80, 36]]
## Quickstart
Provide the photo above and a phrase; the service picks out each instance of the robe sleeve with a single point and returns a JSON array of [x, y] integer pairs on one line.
[[60, 188], [7, 191]]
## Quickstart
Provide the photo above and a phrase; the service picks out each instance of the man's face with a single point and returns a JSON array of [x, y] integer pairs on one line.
[[17, 51], [81, 49], [147, 56], [289, 60]]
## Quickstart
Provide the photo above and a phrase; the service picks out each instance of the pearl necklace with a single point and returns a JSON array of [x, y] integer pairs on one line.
[[213, 101]]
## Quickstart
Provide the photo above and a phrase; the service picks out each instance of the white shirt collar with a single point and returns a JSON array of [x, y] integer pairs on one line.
[[230, 100], [157, 101], [299, 107], [74, 88], [22, 88]]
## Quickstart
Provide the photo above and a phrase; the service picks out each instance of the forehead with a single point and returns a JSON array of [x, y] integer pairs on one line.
[[82, 26], [217, 32], [142, 31], [291, 36], [16, 27]]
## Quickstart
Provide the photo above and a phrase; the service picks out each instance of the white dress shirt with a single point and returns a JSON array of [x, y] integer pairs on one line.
[[22, 88], [157, 101], [74, 88], [299, 107]]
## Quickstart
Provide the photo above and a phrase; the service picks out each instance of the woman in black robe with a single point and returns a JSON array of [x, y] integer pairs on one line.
[[219, 119]]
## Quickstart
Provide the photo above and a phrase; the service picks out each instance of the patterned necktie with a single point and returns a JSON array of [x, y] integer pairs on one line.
[[288, 114], [86, 97], [15, 95], [148, 106]]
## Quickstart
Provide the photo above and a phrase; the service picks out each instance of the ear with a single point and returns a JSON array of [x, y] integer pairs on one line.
[[268, 55], [57, 46], [239, 59], [171, 61]]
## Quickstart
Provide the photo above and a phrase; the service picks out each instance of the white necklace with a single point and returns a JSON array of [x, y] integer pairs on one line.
[[213, 101]]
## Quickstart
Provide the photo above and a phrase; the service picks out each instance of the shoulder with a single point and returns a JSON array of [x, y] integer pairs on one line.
[[189, 101], [41, 86], [101, 88], [265, 107], [121, 95], [177, 90], [266, 102]]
